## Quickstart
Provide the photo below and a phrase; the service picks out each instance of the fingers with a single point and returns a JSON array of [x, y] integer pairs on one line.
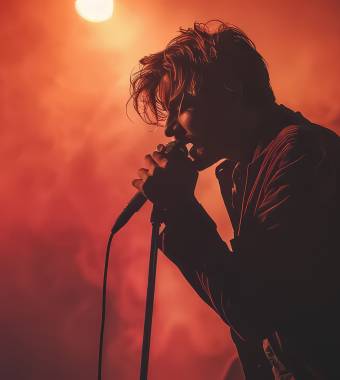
[[154, 160], [160, 159], [143, 174], [138, 184], [150, 163], [161, 148]]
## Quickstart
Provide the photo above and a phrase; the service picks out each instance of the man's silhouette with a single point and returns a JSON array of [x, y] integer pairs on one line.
[[278, 289]]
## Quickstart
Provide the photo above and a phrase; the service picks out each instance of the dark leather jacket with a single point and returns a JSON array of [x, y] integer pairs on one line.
[[280, 284]]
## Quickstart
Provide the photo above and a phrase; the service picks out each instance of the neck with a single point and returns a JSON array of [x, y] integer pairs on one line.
[[257, 126]]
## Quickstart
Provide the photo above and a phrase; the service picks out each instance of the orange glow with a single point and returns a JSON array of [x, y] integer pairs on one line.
[[95, 10], [69, 156]]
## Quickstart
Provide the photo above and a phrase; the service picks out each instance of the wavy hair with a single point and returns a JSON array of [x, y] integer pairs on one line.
[[191, 60]]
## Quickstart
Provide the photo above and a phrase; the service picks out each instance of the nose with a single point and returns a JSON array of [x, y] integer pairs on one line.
[[173, 128], [172, 125]]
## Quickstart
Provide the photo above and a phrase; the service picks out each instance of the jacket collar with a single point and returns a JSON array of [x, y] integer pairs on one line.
[[273, 124]]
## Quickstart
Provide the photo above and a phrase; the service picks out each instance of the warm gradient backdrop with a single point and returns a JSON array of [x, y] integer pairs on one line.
[[68, 155]]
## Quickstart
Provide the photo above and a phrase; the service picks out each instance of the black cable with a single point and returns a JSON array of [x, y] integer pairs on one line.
[[173, 149], [102, 324]]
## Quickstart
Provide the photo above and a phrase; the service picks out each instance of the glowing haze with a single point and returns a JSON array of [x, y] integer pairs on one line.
[[95, 10], [69, 153]]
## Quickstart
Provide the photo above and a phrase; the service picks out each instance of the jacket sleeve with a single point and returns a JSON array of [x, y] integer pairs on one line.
[[191, 241]]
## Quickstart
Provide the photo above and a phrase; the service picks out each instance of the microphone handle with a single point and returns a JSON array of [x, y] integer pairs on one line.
[[172, 150], [135, 204]]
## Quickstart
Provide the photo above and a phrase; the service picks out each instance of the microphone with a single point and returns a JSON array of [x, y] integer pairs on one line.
[[173, 149], [135, 204]]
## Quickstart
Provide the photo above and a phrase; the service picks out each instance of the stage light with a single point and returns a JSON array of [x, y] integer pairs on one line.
[[94, 10]]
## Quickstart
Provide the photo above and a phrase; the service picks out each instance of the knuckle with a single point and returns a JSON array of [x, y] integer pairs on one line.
[[160, 155], [143, 171], [163, 162], [156, 155], [160, 147]]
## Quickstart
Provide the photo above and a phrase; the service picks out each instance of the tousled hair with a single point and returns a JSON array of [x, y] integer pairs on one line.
[[195, 58]]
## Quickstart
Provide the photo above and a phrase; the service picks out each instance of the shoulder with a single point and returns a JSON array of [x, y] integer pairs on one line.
[[305, 139], [298, 130], [306, 133]]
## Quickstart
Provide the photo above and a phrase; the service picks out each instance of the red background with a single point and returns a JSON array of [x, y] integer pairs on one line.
[[68, 155]]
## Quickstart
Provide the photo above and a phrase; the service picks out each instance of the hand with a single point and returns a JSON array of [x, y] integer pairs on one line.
[[165, 182]]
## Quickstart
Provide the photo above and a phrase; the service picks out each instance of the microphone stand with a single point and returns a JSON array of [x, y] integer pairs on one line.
[[174, 149], [156, 221]]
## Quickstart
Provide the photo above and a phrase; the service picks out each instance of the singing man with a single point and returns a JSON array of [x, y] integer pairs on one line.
[[278, 288]]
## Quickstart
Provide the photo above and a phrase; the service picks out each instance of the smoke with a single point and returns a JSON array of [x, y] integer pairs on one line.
[[69, 154]]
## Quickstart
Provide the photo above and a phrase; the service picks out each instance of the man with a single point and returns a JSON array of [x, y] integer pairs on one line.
[[278, 289]]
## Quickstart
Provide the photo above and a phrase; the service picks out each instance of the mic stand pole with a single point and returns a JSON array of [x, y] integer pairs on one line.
[[156, 223]]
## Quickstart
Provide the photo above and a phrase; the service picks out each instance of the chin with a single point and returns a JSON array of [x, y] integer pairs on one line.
[[202, 163], [201, 157]]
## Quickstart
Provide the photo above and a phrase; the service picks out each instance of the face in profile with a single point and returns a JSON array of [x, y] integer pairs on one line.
[[210, 121]]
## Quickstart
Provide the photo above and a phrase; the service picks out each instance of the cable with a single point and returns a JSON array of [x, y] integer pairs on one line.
[[102, 324]]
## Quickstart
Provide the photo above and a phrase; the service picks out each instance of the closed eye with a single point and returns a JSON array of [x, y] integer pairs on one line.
[[175, 107]]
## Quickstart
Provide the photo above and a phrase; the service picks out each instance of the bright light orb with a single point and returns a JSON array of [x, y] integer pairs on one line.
[[94, 10]]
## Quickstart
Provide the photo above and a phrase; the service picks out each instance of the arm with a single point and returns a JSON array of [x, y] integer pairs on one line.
[[191, 241]]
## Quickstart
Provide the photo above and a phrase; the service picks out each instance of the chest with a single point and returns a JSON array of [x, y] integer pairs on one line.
[[243, 188]]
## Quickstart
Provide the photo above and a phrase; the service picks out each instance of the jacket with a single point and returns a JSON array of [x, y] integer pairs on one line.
[[278, 288]]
